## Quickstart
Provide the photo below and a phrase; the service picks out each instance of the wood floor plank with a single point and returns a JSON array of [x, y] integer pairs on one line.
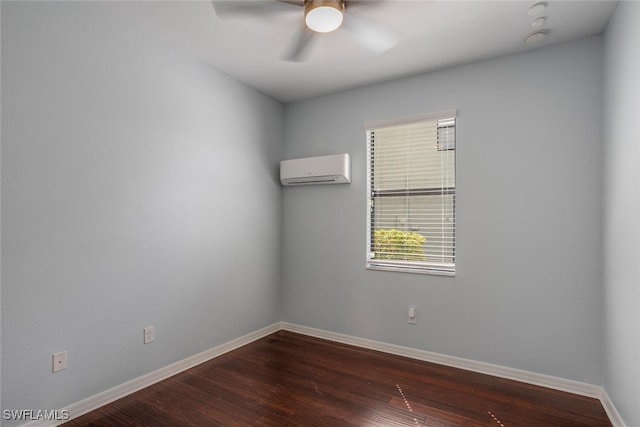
[[288, 379]]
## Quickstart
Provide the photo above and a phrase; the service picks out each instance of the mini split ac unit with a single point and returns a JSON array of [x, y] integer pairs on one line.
[[334, 169]]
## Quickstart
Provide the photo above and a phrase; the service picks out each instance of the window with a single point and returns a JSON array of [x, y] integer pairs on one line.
[[411, 192]]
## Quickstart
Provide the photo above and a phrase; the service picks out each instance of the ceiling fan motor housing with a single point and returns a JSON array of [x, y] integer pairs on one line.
[[323, 16]]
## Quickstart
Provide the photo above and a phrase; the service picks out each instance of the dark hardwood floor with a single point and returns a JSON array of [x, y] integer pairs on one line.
[[287, 379]]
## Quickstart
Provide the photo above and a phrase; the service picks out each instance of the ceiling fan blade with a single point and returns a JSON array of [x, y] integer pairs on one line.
[[372, 36], [241, 8], [298, 50]]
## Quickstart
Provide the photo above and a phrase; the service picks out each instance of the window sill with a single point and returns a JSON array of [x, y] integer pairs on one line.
[[409, 269]]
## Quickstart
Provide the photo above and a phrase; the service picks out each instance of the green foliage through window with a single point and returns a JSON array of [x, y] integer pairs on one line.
[[398, 245]]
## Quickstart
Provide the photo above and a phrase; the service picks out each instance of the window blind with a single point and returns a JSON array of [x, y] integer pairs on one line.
[[411, 195]]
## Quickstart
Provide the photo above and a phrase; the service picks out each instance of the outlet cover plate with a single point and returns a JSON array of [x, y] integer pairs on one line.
[[59, 361], [412, 315], [149, 335]]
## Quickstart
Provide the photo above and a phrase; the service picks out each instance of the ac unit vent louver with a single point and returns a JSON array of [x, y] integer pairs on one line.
[[335, 169]]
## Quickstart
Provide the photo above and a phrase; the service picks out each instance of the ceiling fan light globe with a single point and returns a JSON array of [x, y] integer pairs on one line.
[[323, 16]]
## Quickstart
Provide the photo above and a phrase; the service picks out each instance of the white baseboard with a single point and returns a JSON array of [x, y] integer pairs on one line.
[[571, 386], [94, 402], [611, 410], [561, 384]]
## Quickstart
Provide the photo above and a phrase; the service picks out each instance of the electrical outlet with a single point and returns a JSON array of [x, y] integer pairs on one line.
[[412, 315], [59, 361], [149, 335]]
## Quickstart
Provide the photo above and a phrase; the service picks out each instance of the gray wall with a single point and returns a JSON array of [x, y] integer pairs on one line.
[[622, 212], [528, 284], [139, 187], [138, 184]]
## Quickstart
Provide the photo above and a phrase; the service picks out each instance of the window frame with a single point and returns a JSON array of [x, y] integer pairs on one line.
[[421, 267]]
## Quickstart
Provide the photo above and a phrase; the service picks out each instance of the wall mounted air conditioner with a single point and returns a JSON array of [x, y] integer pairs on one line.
[[334, 169]]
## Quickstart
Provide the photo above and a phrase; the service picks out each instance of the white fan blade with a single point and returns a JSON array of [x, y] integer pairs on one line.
[[299, 49], [372, 36], [241, 8]]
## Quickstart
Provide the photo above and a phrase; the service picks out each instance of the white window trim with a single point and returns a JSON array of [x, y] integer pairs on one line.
[[396, 265], [413, 119]]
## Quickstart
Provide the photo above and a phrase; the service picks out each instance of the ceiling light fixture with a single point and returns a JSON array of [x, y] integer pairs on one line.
[[537, 9], [539, 22], [323, 16], [536, 37]]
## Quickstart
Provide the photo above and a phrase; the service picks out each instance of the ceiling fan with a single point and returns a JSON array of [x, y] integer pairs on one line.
[[318, 17]]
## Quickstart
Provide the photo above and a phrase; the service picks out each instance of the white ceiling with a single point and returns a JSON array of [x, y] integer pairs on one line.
[[432, 35]]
